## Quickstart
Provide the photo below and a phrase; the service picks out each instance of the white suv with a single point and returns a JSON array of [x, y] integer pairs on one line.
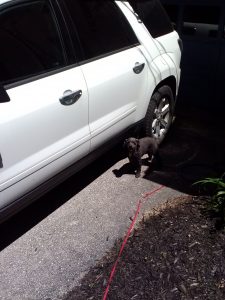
[[73, 75]]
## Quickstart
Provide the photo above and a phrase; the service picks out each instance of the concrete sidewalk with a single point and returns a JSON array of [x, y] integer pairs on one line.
[[50, 259]]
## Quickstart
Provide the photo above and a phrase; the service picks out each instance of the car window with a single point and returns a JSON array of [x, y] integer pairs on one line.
[[30, 43], [153, 16], [172, 11], [201, 21], [101, 26]]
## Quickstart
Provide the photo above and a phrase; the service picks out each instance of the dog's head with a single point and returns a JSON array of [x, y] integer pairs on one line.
[[132, 145]]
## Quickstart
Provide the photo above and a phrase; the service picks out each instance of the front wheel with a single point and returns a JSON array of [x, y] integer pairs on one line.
[[160, 113]]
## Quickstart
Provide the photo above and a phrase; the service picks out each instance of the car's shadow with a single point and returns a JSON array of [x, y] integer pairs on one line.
[[24, 220], [194, 149]]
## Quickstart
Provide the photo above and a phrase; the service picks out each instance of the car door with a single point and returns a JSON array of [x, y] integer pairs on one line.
[[44, 127], [200, 30], [198, 24], [115, 70]]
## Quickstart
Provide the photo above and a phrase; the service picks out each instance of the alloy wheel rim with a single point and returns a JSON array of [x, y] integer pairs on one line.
[[161, 118]]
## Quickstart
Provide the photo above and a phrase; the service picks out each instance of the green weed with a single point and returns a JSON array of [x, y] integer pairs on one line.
[[216, 189]]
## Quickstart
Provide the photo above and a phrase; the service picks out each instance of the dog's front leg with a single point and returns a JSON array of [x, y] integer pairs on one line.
[[138, 168], [138, 173]]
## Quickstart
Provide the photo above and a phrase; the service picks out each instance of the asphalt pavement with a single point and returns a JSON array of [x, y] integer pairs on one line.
[[47, 248]]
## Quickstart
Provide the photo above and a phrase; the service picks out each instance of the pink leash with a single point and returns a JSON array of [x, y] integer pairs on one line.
[[140, 202]]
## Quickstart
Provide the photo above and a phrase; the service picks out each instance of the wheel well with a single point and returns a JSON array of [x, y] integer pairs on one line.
[[171, 82]]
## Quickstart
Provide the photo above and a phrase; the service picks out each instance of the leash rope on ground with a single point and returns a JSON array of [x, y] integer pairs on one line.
[[140, 202]]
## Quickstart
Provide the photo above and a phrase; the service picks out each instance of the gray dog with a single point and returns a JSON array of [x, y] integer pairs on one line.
[[137, 148]]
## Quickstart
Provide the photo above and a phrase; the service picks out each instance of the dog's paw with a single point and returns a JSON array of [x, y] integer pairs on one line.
[[137, 175]]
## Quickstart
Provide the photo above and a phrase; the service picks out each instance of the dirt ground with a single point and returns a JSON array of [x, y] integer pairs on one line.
[[177, 252]]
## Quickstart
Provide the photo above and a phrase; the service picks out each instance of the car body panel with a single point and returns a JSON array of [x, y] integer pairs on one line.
[[41, 128], [115, 91], [140, 30], [44, 139], [4, 1]]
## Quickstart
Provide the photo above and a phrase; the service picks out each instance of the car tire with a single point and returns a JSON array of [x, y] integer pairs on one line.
[[159, 114]]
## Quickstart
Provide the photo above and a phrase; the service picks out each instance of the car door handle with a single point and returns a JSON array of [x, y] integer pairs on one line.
[[138, 68], [69, 97], [1, 164]]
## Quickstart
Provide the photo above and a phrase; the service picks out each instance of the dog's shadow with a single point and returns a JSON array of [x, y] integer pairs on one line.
[[125, 169], [128, 169]]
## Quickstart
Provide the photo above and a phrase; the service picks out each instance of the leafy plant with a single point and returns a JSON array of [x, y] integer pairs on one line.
[[216, 202]]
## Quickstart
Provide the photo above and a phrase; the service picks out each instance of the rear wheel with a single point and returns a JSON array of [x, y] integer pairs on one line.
[[160, 113]]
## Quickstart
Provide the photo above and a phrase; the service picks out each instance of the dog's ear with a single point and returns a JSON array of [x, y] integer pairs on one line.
[[138, 144]]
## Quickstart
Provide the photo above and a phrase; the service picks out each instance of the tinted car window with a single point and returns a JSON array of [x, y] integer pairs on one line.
[[201, 21], [30, 43], [153, 16], [101, 26], [172, 11]]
